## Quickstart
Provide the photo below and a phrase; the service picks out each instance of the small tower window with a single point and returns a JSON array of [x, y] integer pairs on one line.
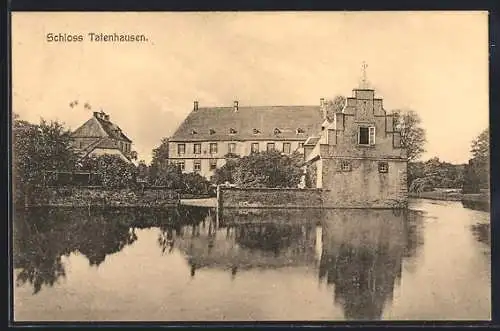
[[232, 131], [256, 131], [345, 165], [383, 167], [193, 132], [300, 131], [212, 131], [277, 131]]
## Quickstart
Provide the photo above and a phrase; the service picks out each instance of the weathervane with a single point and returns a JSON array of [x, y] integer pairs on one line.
[[364, 81]]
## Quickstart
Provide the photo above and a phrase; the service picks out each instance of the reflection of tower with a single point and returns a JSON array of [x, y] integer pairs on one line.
[[362, 257]]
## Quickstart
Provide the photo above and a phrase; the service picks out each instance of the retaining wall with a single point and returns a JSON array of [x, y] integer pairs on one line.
[[230, 197]]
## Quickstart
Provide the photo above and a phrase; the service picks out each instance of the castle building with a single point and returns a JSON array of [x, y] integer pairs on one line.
[[208, 134], [99, 136], [358, 156]]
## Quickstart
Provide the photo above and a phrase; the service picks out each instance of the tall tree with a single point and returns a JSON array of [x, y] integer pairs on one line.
[[412, 133], [478, 170], [160, 158], [36, 149]]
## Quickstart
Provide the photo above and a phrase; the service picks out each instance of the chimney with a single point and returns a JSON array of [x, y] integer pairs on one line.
[[96, 114], [235, 105], [195, 106], [321, 102]]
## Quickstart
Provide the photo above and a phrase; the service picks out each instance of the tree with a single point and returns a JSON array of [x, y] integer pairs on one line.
[[169, 175], [412, 134], [477, 171], [114, 172], [334, 106], [36, 149], [142, 171], [227, 171], [160, 158], [269, 169]]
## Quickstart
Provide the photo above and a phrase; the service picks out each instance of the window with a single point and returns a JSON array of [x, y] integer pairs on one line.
[[256, 131], [345, 165], [270, 147], [255, 147], [383, 167], [231, 147], [366, 135], [372, 135], [213, 148], [213, 164], [81, 144], [212, 131], [363, 136], [194, 132], [181, 149], [277, 131], [197, 149], [232, 131], [300, 130], [286, 148], [181, 164], [197, 165]]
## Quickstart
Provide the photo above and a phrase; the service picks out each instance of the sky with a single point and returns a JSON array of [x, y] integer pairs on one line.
[[435, 63]]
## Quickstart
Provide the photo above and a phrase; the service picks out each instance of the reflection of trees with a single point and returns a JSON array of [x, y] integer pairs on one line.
[[43, 236], [362, 256], [482, 233], [182, 218]]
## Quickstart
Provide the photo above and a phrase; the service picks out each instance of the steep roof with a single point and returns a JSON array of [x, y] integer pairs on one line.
[[250, 123], [100, 127]]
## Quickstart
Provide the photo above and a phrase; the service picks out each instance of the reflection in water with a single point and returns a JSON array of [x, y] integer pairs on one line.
[[362, 257], [358, 252], [482, 233], [42, 236], [253, 263]]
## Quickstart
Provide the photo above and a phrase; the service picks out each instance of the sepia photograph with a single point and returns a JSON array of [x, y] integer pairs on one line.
[[250, 166]]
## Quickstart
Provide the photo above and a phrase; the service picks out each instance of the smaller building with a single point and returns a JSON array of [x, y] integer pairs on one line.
[[99, 136], [360, 161]]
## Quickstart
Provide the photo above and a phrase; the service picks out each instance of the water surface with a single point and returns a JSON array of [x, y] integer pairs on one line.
[[431, 262]]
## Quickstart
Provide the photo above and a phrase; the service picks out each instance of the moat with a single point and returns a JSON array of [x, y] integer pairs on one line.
[[430, 262]]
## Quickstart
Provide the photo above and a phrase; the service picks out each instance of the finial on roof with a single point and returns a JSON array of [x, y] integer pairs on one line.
[[364, 80]]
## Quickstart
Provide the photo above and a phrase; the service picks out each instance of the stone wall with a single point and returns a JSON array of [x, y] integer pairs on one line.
[[97, 196], [363, 186], [269, 198]]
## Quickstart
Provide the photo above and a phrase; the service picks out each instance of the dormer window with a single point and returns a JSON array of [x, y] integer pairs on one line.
[[277, 131], [256, 131], [299, 131], [232, 131], [193, 132], [212, 131]]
